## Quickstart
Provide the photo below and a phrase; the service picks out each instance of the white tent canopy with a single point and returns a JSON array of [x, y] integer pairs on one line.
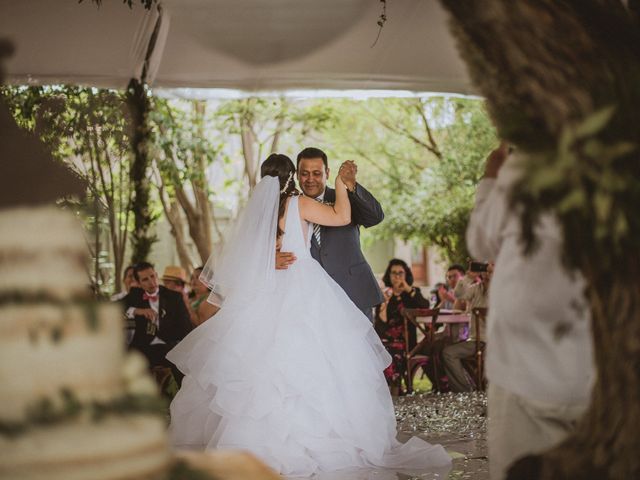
[[251, 45]]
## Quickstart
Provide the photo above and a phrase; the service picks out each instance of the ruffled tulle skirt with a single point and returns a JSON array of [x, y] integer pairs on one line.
[[294, 375]]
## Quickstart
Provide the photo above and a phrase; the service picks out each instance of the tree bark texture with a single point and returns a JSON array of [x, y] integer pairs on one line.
[[251, 160], [172, 213], [544, 65], [175, 220]]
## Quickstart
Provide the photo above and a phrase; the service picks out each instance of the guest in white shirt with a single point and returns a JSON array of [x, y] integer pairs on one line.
[[473, 289], [539, 351], [446, 291]]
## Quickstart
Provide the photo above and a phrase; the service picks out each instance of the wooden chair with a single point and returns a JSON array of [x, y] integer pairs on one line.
[[414, 359], [475, 363]]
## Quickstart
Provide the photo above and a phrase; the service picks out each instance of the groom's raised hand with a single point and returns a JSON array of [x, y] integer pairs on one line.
[[284, 260]]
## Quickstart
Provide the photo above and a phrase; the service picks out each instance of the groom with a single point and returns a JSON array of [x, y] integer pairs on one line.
[[338, 248]]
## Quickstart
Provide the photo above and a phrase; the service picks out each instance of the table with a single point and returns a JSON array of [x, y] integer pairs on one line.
[[425, 320]]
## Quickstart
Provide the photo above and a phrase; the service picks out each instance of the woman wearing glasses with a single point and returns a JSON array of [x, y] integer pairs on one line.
[[399, 294]]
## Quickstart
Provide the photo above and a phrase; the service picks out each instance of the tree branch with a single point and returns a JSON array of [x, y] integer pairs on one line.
[[420, 108]]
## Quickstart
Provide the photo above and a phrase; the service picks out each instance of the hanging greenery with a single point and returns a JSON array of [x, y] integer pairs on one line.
[[142, 237]]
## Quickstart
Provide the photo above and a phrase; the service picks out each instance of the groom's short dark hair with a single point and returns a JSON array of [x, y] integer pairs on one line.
[[312, 152], [140, 267]]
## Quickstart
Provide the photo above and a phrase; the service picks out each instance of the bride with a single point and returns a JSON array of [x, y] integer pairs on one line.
[[289, 368]]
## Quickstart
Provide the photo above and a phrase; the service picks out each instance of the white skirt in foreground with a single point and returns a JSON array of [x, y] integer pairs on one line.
[[294, 376]]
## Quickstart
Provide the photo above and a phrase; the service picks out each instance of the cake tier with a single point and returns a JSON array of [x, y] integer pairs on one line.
[[118, 447], [42, 251], [46, 349]]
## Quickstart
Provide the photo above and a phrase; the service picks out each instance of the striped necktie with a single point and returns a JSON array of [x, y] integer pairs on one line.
[[317, 227]]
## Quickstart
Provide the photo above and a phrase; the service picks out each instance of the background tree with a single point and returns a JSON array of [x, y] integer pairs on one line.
[[422, 158], [261, 123], [562, 83], [87, 129], [184, 155]]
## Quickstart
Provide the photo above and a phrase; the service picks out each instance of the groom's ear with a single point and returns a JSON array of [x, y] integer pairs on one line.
[[328, 171]]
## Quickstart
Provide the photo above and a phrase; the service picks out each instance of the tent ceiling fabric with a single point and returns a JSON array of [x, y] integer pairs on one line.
[[252, 45]]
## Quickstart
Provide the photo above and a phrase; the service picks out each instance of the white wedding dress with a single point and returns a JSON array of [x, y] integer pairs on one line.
[[294, 375]]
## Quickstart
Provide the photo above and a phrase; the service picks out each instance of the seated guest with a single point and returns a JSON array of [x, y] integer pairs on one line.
[[199, 309], [399, 294], [128, 281], [174, 278], [435, 299], [449, 301], [473, 288], [160, 315], [445, 291]]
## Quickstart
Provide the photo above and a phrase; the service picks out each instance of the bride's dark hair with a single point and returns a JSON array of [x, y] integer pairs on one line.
[[281, 166]]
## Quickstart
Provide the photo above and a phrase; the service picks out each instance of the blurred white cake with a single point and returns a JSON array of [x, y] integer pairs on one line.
[[73, 405], [42, 250]]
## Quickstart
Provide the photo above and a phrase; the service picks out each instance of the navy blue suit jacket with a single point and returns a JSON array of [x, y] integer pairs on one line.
[[340, 253]]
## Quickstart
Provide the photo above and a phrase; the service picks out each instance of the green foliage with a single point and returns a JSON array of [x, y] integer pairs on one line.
[[586, 182], [185, 147], [277, 124], [88, 129], [142, 237], [564, 87], [422, 158]]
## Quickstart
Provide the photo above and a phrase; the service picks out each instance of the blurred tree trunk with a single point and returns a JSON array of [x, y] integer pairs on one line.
[[174, 216], [251, 157], [116, 192], [254, 145], [185, 168], [200, 227], [547, 68], [172, 212]]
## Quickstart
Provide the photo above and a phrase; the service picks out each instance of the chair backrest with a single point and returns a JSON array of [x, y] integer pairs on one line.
[[410, 315], [479, 314]]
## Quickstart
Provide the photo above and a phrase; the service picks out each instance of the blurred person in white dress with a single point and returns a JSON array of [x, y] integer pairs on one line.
[[539, 361]]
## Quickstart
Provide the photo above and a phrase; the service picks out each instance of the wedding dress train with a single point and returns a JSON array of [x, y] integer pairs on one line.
[[294, 375]]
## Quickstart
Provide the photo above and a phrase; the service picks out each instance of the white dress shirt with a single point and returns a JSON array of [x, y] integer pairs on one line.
[[155, 306], [475, 294], [539, 341]]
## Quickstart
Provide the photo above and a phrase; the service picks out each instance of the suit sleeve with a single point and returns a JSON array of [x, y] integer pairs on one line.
[[133, 331], [365, 209], [184, 320], [492, 212]]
